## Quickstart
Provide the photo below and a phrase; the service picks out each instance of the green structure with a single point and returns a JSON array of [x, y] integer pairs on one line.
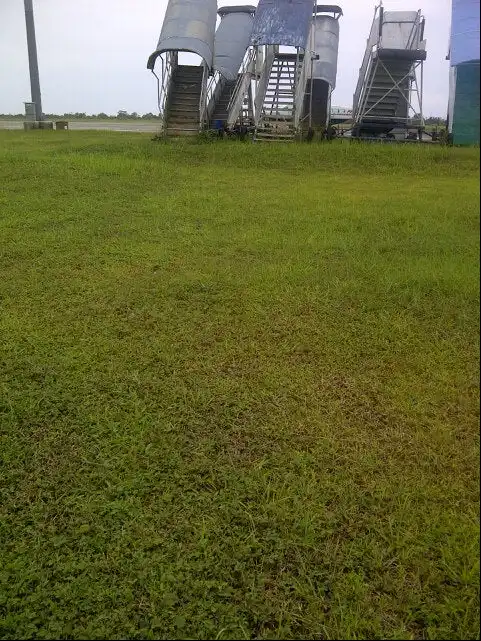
[[465, 118]]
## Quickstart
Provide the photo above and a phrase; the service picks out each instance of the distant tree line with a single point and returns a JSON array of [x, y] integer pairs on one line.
[[79, 115], [433, 120]]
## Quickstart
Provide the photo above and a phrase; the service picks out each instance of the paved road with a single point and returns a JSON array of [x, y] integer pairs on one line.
[[112, 125], [101, 125]]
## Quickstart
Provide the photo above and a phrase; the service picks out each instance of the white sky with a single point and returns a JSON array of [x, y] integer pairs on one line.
[[93, 53]]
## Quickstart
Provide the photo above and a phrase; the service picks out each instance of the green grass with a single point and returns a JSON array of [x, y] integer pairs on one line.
[[238, 389]]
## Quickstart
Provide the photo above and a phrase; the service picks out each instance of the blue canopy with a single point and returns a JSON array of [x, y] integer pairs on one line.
[[283, 22]]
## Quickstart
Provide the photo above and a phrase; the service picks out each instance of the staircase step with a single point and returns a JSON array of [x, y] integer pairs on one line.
[[175, 132], [187, 89], [187, 78], [182, 101], [186, 95], [189, 70], [179, 120], [186, 85], [189, 123], [288, 86], [373, 100], [183, 105], [183, 108]]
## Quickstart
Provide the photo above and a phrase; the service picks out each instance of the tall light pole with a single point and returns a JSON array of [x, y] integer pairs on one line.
[[32, 59]]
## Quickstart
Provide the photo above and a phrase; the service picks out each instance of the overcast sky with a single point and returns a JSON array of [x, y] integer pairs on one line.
[[92, 53]]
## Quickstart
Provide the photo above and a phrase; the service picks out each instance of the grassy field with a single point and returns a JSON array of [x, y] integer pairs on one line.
[[238, 389]]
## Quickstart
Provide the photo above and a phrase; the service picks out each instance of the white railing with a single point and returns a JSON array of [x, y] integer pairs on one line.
[[214, 88], [168, 66], [372, 44], [301, 85], [203, 96], [364, 88], [261, 86], [246, 73], [414, 36]]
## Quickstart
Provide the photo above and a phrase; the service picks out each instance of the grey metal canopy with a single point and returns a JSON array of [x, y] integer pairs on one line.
[[329, 8], [244, 8], [232, 39], [189, 25]]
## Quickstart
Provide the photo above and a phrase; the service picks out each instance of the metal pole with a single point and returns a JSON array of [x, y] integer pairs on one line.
[[312, 53], [32, 59], [421, 96]]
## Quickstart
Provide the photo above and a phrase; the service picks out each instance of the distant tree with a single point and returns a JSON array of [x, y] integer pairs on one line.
[[102, 116], [122, 114], [149, 116]]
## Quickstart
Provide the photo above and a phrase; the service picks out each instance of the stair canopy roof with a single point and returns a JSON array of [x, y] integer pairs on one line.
[[244, 8], [329, 8], [283, 22], [189, 25], [232, 39]]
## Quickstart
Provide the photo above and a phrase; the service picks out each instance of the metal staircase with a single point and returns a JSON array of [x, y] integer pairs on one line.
[[388, 93], [241, 106], [271, 88], [183, 114], [279, 104], [221, 108], [188, 27], [385, 101]]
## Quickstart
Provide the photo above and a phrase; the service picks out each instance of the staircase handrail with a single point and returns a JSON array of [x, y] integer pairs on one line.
[[245, 72], [169, 66], [301, 83], [361, 91], [263, 83], [414, 31], [214, 88], [367, 61], [203, 95]]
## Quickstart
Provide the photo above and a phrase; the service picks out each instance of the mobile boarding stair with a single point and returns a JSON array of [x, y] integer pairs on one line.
[[280, 106], [389, 96], [273, 80], [231, 42], [188, 27]]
